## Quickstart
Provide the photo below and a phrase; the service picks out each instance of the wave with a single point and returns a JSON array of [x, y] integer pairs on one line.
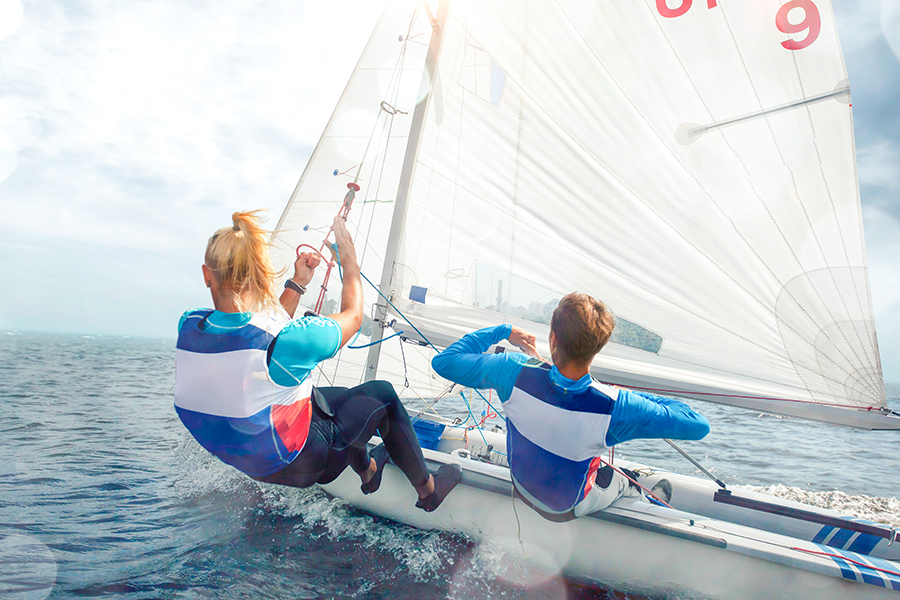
[[885, 511]]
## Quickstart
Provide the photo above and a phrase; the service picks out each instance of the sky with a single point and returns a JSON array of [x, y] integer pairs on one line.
[[129, 131]]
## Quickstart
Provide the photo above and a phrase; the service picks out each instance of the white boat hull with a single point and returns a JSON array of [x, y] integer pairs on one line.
[[636, 546]]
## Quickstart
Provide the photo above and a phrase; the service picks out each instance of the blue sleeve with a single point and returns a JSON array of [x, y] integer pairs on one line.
[[465, 363], [640, 415], [301, 345]]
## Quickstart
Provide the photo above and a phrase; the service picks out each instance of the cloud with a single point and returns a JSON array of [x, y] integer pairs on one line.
[[858, 23], [890, 24], [888, 324], [149, 111], [883, 249], [129, 132], [878, 164], [11, 17]]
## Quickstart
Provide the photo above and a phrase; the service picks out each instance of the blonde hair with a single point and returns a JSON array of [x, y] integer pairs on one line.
[[239, 259], [582, 326]]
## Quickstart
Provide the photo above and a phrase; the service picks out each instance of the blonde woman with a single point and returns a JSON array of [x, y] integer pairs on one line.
[[242, 384]]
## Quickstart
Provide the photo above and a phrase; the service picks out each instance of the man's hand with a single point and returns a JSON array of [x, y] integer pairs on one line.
[[305, 267], [523, 340]]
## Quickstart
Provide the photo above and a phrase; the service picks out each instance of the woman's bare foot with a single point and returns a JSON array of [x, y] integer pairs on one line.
[[369, 473], [371, 479]]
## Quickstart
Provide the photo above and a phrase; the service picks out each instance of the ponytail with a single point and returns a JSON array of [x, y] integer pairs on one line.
[[239, 258]]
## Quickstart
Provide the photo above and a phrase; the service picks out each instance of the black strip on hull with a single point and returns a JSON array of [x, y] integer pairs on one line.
[[726, 497]]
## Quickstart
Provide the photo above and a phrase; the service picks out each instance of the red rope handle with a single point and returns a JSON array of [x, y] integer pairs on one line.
[[842, 557], [342, 213]]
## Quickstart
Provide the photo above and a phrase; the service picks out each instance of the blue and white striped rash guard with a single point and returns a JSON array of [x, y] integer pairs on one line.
[[557, 426], [246, 402]]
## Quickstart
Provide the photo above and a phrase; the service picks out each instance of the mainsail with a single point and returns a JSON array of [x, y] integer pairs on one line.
[[691, 164]]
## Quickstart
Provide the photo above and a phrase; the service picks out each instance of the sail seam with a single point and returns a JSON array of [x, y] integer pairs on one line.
[[763, 203], [713, 262], [835, 215], [743, 239], [750, 341], [794, 179]]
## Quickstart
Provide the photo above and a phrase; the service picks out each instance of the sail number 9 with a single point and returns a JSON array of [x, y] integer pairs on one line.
[[811, 21]]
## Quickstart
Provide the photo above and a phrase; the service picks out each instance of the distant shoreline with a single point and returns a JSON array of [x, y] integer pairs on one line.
[[892, 388]]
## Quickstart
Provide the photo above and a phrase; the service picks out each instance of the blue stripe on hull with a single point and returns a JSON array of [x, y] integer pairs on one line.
[[864, 543], [858, 567]]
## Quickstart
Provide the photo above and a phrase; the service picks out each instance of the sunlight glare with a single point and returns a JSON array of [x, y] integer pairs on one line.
[[890, 24], [11, 17]]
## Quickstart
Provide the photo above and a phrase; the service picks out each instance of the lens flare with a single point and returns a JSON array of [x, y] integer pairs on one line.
[[28, 567], [890, 24], [11, 17]]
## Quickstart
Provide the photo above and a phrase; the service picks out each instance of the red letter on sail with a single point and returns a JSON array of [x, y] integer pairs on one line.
[[670, 13]]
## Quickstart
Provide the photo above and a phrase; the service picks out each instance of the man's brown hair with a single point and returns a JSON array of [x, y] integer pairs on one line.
[[582, 326]]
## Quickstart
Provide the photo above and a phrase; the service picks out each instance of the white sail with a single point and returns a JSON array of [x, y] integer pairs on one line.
[[364, 142], [690, 163]]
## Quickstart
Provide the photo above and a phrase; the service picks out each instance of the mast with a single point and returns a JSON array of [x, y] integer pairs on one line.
[[398, 219]]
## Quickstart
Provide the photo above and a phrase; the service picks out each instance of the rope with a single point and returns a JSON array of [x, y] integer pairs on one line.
[[683, 392], [512, 497], [842, 557], [634, 481], [374, 343]]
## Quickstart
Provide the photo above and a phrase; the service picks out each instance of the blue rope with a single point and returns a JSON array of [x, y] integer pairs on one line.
[[400, 313], [373, 343], [422, 335], [479, 428]]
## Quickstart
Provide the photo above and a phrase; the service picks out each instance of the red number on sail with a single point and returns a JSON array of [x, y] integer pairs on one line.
[[670, 13], [811, 21]]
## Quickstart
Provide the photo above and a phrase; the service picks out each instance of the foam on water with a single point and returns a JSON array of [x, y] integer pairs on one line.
[[885, 511], [98, 474]]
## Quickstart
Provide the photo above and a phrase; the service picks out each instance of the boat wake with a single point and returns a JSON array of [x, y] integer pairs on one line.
[[380, 551], [885, 511]]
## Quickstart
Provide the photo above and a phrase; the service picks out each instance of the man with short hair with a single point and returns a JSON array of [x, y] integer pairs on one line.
[[559, 419]]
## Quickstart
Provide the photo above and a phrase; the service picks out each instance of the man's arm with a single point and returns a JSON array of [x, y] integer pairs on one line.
[[465, 363], [640, 415]]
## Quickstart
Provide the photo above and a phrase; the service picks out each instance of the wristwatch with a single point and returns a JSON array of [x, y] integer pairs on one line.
[[290, 284]]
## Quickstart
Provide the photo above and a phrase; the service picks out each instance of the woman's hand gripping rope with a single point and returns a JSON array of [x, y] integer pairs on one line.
[[305, 267]]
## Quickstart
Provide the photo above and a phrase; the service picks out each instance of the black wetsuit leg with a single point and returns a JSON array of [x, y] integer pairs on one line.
[[340, 441], [339, 458], [374, 406]]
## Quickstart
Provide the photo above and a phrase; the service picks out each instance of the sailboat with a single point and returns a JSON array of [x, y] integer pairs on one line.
[[690, 163]]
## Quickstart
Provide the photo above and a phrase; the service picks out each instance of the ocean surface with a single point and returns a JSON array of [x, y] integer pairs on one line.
[[103, 493]]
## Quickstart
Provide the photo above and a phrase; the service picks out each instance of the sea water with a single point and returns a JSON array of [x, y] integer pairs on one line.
[[103, 493]]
